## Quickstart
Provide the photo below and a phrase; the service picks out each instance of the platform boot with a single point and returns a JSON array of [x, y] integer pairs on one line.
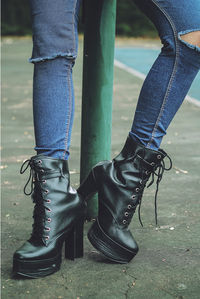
[[58, 218], [120, 184]]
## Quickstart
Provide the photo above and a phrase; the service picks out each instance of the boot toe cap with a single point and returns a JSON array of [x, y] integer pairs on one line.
[[26, 251]]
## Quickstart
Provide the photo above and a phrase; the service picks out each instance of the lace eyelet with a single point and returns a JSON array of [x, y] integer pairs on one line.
[[133, 196], [126, 214], [47, 237], [137, 190], [40, 162], [124, 221], [158, 157], [48, 200], [147, 172], [153, 164], [47, 229], [49, 210], [141, 182], [44, 181], [42, 170], [129, 207], [46, 191], [49, 220]]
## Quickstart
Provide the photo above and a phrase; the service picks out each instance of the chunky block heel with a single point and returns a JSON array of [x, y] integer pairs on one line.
[[88, 186], [74, 242]]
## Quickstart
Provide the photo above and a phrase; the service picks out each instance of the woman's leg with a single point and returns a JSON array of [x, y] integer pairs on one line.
[[58, 211], [120, 182], [55, 45], [171, 76]]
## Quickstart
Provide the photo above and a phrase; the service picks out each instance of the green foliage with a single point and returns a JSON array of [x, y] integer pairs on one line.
[[131, 21], [16, 19]]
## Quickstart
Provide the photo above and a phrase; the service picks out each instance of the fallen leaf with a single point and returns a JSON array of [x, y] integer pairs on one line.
[[180, 170], [3, 166]]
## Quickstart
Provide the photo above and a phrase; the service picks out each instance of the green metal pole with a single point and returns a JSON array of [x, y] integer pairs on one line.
[[99, 38]]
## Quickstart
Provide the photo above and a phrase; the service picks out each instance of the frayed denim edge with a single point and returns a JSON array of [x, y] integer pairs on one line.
[[53, 56], [193, 47]]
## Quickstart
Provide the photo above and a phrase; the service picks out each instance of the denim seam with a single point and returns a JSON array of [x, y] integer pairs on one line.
[[70, 91], [69, 112], [172, 75], [74, 26]]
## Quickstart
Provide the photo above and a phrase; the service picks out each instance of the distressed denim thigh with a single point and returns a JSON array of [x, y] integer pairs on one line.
[[185, 16], [54, 25]]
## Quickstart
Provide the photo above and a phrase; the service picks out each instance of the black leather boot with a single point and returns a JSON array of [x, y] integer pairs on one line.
[[120, 184], [58, 218]]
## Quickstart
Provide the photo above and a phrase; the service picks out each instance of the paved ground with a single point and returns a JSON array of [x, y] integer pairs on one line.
[[167, 265]]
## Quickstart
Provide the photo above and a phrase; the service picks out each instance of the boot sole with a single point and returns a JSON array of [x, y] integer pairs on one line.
[[40, 268], [108, 247], [36, 269]]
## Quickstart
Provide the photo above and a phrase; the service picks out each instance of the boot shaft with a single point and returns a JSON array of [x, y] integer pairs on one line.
[[57, 204], [124, 180]]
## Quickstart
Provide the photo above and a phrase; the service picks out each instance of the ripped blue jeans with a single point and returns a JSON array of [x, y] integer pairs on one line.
[[173, 72], [55, 44]]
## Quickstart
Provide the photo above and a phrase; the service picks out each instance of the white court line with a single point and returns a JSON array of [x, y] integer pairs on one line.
[[193, 100], [142, 76], [129, 69]]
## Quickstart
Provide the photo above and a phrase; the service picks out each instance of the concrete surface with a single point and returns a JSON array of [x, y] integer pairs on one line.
[[168, 263]]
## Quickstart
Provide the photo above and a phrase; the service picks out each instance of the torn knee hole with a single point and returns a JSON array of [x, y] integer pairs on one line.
[[191, 38]]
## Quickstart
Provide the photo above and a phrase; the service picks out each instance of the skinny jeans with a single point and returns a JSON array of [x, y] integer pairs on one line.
[[55, 45]]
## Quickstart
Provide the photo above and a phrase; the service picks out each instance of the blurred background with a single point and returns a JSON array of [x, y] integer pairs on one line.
[[131, 25], [16, 19]]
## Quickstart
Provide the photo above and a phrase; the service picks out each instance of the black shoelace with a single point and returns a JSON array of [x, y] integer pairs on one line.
[[158, 171], [24, 167], [35, 170], [39, 208], [36, 190]]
